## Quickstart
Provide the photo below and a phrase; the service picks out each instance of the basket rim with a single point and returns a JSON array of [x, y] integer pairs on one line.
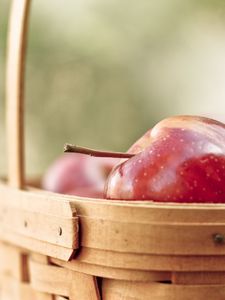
[[146, 203]]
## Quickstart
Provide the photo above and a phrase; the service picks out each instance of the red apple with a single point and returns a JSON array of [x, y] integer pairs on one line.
[[141, 143], [184, 161], [78, 174]]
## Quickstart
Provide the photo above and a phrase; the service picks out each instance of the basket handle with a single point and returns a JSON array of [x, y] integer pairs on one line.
[[15, 70]]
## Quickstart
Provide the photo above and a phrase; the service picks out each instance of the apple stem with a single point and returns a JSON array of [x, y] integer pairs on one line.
[[96, 153]]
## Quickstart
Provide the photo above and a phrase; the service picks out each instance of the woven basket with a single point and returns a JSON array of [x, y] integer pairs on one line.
[[64, 247]]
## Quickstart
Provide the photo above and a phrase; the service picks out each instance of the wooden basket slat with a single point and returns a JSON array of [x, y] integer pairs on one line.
[[160, 238], [148, 211], [11, 261], [120, 235], [50, 279], [38, 246], [151, 262], [124, 236], [44, 260], [13, 289], [61, 281], [48, 228], [37, 201], [114, 273], [196, 278], [84, 287], [125, 290], [38, 222]]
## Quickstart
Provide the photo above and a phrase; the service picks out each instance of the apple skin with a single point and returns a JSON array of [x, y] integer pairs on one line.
[[78, 174], [184, 162], [141, 143]]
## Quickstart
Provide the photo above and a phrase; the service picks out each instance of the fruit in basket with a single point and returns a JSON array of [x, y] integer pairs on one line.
[[141, 143], [78, 174], [183, 162]]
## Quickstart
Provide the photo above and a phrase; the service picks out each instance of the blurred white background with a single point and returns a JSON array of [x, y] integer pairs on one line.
[[100, 73]]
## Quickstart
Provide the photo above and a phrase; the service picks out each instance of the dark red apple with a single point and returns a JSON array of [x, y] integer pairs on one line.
[[183, 160], [78, 174]]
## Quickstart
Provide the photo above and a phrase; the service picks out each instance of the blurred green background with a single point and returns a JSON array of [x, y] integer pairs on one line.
[[100, 73]]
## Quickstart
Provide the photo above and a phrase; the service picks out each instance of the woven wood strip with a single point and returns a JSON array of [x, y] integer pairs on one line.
[[13, 262], [38, 222], [61, 281], [37, 246], [150, 262], [149, 211], [54, 230], [195, 278], [37, 201], [115, 273], [151, 238], [124, 290], [14, 289]]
